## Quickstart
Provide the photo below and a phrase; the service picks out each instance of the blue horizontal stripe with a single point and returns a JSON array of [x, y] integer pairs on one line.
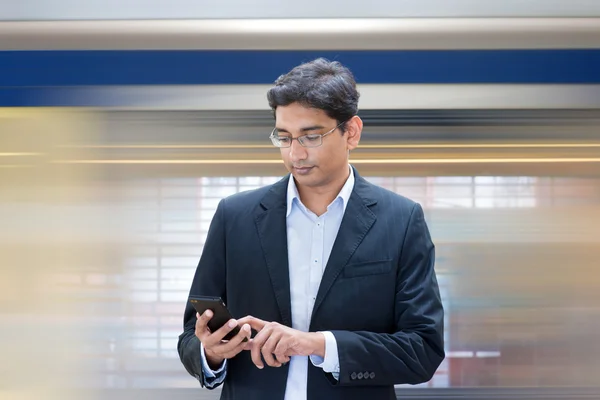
[[61, 96], [84, 68]]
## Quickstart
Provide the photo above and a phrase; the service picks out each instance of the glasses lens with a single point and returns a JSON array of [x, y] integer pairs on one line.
[[276, 142], [279, 141], [311, 140]]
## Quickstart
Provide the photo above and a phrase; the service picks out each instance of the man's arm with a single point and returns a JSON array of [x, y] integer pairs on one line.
[[213, 377], [415, 351], [209, 280]]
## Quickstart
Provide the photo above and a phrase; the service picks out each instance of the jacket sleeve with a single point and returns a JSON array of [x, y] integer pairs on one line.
[[413, 353], [209, 280]]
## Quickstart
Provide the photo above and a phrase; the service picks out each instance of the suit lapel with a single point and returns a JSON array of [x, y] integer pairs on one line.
[[272, 232], [357, 221]]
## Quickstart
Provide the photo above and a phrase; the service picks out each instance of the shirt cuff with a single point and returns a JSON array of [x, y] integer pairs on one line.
[[331, 362], [208, 372]]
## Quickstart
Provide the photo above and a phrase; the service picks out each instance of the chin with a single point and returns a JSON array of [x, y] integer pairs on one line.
[[309, 181]]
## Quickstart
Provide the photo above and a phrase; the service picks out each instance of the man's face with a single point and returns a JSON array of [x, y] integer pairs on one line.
[[315, 167]]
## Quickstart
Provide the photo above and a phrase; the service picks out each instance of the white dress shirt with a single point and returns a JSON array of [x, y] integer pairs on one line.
[[310, 239]]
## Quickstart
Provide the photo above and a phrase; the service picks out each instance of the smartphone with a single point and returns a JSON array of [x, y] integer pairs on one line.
[[221, 314]]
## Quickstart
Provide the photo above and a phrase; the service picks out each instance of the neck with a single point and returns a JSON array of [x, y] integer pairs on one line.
[[317, 199]]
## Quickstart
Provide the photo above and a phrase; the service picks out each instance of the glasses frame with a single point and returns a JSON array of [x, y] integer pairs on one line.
[[272, 136]]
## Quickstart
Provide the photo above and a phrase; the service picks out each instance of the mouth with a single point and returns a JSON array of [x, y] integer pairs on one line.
[[302, 170]]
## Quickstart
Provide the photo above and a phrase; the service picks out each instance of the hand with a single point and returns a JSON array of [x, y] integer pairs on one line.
[[277, 343], [215, 349]]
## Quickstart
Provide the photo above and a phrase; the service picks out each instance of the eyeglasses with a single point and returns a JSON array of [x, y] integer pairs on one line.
[[310, 140]]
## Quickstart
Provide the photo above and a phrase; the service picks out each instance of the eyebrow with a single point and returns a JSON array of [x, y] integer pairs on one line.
[[307, 129]]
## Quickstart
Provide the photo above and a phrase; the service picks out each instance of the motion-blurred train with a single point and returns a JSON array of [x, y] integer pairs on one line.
[[412, 73], [492, 123]]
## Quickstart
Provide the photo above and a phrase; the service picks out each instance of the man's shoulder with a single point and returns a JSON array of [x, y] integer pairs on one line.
[[249, 199]]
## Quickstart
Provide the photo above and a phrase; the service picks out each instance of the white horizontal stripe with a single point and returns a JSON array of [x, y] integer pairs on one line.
[[373, 97], [192, 9], [487, 354], [304, 34], [459, 354]]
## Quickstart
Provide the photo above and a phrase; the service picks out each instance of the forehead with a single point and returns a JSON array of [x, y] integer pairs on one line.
[[297, 116]]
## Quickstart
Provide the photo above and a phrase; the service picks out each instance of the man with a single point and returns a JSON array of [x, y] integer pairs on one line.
[[335, 275]]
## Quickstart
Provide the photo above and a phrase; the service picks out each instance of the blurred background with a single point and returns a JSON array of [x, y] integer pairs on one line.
[[122, 124]]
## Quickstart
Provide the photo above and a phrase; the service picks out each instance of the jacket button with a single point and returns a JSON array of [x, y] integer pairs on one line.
[[372, 375], [353, 376]]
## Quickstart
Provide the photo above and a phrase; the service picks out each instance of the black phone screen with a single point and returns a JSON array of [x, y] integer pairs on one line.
[[221, 314]]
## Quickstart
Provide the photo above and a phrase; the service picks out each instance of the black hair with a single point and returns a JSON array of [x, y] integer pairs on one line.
[[321, 84]]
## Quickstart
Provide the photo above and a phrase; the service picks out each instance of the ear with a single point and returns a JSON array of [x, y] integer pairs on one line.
[[353, 131]]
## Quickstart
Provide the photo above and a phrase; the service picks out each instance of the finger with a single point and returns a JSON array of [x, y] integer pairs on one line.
[[267, 351], [255, 323], [248, 345], [203, 319], [202, 324], [256, 357], [282, 358], [290, 352], [215, 338], [256, 347], [244, 334], [235, 345], [281, 351], [225, 329]]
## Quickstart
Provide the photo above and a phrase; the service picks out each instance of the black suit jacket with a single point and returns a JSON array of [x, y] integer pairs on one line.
[[378, 295]]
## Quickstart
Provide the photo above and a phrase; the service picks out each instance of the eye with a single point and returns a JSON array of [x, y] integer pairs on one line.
[[284, 139], [312, 138]]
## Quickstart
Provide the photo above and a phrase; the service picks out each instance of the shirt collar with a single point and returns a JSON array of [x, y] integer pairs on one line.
[[344, 194]]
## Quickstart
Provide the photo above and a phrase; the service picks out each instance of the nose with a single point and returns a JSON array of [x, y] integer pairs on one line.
[[297, 152]]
